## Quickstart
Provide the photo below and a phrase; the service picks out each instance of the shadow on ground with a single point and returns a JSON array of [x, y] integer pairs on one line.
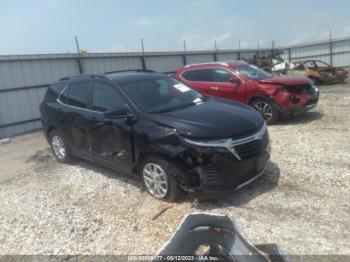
[[262, 185], [110, 173], [239, 197], [302, 119]]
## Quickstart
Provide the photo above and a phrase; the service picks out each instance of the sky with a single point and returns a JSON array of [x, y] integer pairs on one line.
[[49, 26]]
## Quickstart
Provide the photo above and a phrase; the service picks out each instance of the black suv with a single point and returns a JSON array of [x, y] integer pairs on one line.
[[152, 125]]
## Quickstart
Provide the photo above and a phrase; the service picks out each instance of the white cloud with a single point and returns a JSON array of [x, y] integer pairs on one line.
[[147, 22], [195, 41], [222, 38]]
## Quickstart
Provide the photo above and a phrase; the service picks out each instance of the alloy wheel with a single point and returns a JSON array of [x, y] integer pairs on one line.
[[58, 147], [264, 109], [156, 180]]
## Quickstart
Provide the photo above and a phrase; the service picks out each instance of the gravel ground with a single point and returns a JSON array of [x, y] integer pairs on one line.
[[302, 203]]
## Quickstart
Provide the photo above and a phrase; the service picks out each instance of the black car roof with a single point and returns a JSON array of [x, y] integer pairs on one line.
[[118, 77], [125, 77]]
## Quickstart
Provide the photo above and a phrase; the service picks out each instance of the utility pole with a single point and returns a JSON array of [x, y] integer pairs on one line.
[[185, 45], [215, 45], [258, 48], [78, 59]]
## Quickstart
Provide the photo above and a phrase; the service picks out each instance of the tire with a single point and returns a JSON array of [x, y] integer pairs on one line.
[[267, 109], [59, 147], [157, 169]]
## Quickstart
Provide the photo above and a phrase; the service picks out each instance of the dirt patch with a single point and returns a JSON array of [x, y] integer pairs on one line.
[[302, 202]]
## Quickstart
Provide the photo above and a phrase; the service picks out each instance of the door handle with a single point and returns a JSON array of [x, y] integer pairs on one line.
[[214, 87]]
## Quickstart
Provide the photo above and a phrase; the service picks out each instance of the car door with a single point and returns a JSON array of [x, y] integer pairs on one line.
[[73, 117], [225, 87], [200, 79], [111, 143]]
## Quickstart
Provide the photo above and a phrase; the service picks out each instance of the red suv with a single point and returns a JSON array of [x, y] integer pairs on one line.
[[237, 80]]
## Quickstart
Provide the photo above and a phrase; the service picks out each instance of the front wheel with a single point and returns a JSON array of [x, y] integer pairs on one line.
[[267, 109], [159, 178], [59, 147]]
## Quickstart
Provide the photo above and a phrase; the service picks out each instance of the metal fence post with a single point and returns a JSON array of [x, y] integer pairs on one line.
[[143, 61], [239, 50], [184, 58], [80, 67], [330, 48], [215, 50], [289, 54], [272, 51]]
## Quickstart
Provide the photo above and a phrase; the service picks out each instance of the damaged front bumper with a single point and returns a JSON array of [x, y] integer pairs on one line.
[[304, 102], [227, 168], [227, 176]]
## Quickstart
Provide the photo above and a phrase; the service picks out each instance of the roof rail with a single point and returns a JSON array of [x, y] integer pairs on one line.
[[82, 76], [208, 63], [225, 63], [170, 73], [130, 70]]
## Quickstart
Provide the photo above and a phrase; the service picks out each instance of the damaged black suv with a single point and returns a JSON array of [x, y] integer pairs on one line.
[[151, 125]]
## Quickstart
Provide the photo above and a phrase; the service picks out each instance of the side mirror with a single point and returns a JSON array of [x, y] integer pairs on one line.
[[235, 80], [118, 112]]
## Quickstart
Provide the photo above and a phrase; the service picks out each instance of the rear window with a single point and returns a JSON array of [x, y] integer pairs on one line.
[[202, 75], [77, 94], [53, 91]]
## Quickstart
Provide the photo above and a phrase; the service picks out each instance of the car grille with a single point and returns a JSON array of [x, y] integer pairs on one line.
[[253, 148], [305, 88]]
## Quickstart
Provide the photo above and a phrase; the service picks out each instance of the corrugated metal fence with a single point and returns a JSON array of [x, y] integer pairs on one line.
[[24, 78]]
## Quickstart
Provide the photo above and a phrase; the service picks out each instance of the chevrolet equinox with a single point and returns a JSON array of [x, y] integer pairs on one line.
[[148, 124]]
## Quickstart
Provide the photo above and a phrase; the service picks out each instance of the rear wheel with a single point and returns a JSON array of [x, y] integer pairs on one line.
[[59, 147], [267, 109], [159, 178]]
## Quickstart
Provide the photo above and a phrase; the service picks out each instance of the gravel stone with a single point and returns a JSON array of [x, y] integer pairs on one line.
[[302, 203]]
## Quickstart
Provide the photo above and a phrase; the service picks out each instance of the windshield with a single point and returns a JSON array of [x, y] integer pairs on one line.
[[252, 72], [162, 94]]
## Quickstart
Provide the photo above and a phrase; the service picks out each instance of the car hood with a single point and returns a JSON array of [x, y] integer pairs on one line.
[[215, 118], [285, 80]]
